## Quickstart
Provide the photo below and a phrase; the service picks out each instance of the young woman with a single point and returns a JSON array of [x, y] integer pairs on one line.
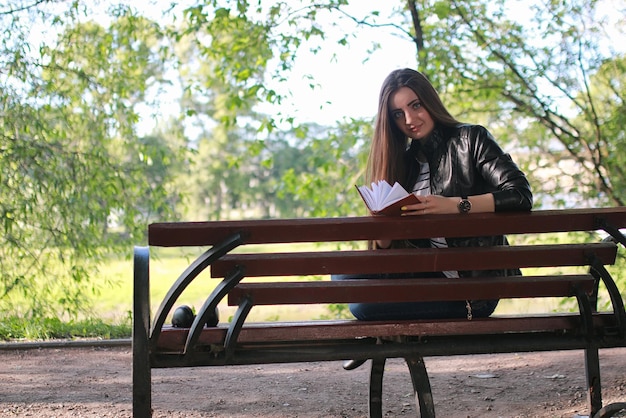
[[453, 168]]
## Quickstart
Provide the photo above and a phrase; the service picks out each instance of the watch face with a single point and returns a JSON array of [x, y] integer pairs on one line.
[[465, 206]]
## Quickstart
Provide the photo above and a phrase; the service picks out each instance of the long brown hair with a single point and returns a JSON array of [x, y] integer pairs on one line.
[[386, 158]]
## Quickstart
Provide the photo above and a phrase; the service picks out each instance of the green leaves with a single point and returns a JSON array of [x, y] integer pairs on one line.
[[533, 82], [71, 165]]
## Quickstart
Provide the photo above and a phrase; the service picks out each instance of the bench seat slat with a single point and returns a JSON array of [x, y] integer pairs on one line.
[[410, 290], [173, 339], [179, 234], [424, 260]]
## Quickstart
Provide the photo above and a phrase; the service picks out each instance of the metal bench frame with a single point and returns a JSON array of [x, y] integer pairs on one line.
[[156, 345]]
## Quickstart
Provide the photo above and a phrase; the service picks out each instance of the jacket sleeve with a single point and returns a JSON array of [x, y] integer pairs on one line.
[[511, 189]]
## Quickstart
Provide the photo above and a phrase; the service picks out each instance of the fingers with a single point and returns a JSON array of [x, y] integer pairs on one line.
[[423, 208], [432, 205], [412, 210]]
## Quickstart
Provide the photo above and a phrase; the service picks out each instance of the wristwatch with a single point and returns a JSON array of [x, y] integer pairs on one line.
[[464, 205]]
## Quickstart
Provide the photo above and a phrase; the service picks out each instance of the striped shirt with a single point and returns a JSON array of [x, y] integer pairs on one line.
[[422, 188]]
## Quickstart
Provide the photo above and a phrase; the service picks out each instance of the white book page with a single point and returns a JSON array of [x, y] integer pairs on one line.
[[381, 194], [368, 196], [396, 193]]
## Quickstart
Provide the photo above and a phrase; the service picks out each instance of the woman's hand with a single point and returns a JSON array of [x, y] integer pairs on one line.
[[432, 204], [435, 204]]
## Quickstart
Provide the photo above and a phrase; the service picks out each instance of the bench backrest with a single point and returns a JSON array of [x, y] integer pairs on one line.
[[180, 234], [225, 236], [407, 290], [409, 260]]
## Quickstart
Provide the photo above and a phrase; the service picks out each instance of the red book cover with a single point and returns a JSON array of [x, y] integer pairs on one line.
[[383, 199]]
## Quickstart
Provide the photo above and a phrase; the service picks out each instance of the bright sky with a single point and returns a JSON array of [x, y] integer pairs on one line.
[[348, 85]]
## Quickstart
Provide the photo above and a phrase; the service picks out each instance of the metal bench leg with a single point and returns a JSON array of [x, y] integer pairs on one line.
[[142, 396], [421, 386], [376, 387], [594, 387]]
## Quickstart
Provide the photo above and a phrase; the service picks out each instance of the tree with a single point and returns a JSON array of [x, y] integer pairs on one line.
[[527, 71], [71, 161], [222, 61], [539, 82], [331, 160]]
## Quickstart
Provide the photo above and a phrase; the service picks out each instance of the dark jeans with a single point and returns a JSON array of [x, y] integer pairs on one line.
[[414, 310]]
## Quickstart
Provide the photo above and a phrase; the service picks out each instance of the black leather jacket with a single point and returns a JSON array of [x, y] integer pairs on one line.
[[466, 160]]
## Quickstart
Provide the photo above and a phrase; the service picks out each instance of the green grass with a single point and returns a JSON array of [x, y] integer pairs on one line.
[[19, 329]]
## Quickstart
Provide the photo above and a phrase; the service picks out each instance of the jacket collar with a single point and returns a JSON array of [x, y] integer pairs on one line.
[[430, 146]]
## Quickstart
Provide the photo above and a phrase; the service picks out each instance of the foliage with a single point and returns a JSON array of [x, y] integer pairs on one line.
[[549, 87], [71, 163], [331, 162], [544, 84]]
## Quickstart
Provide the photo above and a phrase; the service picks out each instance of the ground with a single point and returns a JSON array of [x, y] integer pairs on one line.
[[96, 382]]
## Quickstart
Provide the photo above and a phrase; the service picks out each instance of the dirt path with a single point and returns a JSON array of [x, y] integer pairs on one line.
[[96, 382]]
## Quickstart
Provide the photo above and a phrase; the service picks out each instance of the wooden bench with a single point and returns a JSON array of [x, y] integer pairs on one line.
[[159, 345]]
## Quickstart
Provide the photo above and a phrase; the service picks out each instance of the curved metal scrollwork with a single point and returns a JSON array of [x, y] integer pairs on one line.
[[211, 303], [610, 410], [187, 277]]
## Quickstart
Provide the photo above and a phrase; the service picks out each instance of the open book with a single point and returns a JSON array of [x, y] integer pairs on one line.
[[383, 199]]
